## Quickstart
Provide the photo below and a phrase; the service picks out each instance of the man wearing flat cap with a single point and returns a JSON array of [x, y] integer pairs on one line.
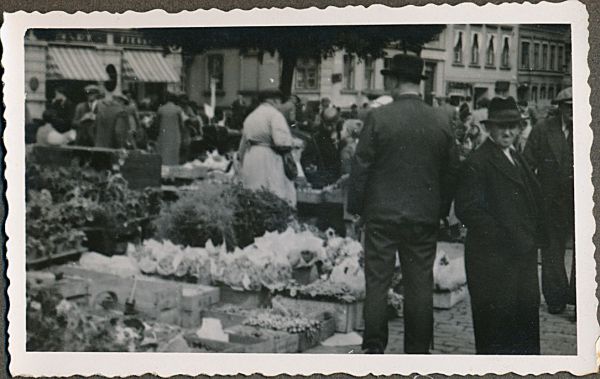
[[84, 120], [396, 187], [499, 201], [549, 151]]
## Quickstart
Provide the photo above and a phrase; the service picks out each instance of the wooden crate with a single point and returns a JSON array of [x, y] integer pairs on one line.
[[348, 316], [326, 330], [335, 196], [236, 344], [228, 320], [196, 298], [448, 299], [309, 197], [279, 341], [245, 299], [152, 297]]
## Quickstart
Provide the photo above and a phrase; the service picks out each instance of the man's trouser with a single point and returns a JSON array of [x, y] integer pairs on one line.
[[416, 246], [555, 284]]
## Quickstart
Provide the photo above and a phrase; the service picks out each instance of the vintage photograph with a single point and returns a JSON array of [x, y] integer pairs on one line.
[[391, 188]]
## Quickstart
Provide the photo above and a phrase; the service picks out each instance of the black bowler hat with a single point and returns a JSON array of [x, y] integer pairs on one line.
[[270, 93], [503, 111], [406, 66]]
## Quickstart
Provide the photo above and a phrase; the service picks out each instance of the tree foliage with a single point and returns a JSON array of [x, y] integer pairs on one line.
[[294, 42]]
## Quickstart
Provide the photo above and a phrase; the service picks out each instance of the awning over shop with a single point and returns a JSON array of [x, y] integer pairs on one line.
[[148, 66], [74, 63]]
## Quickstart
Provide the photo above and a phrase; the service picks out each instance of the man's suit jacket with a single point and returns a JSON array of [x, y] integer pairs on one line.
[[85, 128], [402, 169], [500, 205], [550, 154]]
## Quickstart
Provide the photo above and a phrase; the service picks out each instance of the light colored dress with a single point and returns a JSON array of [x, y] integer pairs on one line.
[[261, 166], [170, 120]]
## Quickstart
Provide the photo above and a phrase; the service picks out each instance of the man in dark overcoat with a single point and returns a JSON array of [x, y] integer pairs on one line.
[[549, 151], [84, 119], [396, 186], [498, 199]]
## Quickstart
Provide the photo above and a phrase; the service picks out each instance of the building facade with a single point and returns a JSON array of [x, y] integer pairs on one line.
[[544, 62], [115, 59], [480, 58]]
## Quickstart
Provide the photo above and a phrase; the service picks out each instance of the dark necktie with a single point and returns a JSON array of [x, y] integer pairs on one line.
[[570, 139], [515, 158]]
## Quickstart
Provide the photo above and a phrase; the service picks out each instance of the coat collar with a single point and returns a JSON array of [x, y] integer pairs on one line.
[[501, 162], [407, 96]]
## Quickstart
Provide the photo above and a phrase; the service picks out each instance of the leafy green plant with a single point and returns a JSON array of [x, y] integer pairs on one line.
[[62, 201], [222, 213]]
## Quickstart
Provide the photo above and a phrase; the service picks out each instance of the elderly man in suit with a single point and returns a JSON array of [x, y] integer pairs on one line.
[[549, 151], [84, 120], [498, 199], [404, 151]]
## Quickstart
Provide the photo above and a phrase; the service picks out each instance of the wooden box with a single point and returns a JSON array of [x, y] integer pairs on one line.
[[152, 296], [196, 298], [236, 344], [228, 320], [245, 299], [278, 341], [448, 299], [348, 316]]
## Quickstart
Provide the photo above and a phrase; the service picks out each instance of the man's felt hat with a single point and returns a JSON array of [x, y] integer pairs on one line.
[[406, 66], [566, 96], [91, 88], [503, 111]]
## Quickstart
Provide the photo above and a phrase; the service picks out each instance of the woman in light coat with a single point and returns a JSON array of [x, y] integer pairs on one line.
[[265, 135]]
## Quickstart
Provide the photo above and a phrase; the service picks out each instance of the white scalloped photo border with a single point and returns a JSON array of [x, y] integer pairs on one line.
[[113, 364]]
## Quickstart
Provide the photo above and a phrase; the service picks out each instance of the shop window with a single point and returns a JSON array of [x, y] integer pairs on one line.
[[561, 61], [215, 70], [348, 71], [490, 53], [551, 93], [307, 74], [552, 58], [475, 50], [458, 48], [525, 55], [534, 94], [536, 56], [505, 53], [545, 57], [542, 93], [369, 73]]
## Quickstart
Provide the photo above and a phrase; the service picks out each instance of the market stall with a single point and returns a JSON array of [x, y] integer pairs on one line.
[[216, 268]]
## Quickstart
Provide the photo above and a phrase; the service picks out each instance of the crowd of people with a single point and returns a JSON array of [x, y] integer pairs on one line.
[[507, 175], [114, 120], [512, 189]]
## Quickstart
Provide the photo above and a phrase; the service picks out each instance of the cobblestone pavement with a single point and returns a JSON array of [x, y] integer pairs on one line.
[[453, 333]]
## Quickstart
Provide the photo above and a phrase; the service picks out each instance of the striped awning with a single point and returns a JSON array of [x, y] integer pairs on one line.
[[74, 63], [148, 66]]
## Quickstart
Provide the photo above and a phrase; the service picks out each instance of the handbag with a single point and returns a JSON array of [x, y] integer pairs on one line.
[[289, 165]]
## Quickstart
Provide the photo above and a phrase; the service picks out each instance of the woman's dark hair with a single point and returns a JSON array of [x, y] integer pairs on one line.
[[50, 116]]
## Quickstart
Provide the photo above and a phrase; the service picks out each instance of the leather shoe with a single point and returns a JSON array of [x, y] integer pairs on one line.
[[556, 309]]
